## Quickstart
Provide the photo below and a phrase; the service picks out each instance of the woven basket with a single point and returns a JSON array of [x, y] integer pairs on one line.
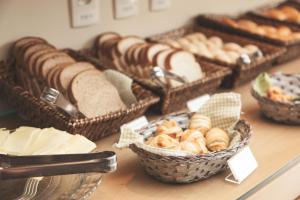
[[288, 113], [292, 47], [42, 115], [241, 73], [187, 169], [174, 99], [257, 13]]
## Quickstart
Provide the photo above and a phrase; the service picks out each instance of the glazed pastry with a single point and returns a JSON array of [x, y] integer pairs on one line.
[[276, 14], [200, 122], [162, 141], [216, 139], [168, 127], [276, 94]]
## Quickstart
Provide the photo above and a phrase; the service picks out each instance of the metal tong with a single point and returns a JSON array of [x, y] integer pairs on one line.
[[49, 165], [246, 59], [55, 99], [158, 73]]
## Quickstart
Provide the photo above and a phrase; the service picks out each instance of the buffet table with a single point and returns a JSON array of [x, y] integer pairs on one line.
[[273, 145]]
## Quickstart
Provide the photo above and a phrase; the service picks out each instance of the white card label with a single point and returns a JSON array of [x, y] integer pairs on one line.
[[137, 123], [125, 8], [242, 164], [157, 5], [195, 104]]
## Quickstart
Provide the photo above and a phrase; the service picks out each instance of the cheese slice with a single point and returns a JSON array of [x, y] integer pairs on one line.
[[3, 136], [77, 144], [49, 142], [17, 142]]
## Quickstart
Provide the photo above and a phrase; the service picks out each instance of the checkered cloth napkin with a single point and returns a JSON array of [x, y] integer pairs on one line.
[[224, 109]]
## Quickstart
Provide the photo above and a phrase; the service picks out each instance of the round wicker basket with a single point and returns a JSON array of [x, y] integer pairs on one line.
[[187, 169], [288, 113]]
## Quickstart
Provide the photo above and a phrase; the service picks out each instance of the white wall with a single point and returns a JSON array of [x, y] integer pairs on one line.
[[51, 19]]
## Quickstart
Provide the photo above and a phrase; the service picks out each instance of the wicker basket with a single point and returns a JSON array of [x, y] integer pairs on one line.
[[292, 47], [187, 169], [259, 15], [241, 73], [174, 99], [42, 115], [288, 113]]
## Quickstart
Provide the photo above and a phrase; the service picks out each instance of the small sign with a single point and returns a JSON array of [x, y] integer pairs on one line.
[[195, 104], [241, 165], [158, 5], [125, 8], [137, 123]]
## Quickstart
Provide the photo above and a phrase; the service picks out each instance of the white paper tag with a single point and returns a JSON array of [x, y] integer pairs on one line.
[[195, 104], [241, 165], [137, 123]]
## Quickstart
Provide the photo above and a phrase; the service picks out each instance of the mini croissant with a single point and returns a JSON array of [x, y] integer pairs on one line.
[[216, 139], [196, 139], [168, 127], [162, 141], [200, 122]]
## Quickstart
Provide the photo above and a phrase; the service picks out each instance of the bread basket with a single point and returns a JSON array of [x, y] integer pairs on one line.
[[292, 47], [240, 73], [175, 98], [42, 115], [187, 169], [257, 13], [288, 113]]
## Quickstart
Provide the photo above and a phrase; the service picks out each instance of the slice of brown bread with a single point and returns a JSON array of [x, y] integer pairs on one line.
[[93, 94], [66, 75], [41, 59], [32, 49], [52, 62], [33, 58]]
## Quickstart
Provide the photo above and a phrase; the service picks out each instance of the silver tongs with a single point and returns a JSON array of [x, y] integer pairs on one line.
[[246, 59], [158, 74], [50, 165], [55, 99]]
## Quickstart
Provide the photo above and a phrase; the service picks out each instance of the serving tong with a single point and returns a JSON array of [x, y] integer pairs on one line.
[[159, 74], [55, 99], [50, 165]]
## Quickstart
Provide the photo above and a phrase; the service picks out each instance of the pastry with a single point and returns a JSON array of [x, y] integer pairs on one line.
[[168, 127], [276, 94], [162, 141], [247, 24], [200, 122], [276, 14], [216, 139]]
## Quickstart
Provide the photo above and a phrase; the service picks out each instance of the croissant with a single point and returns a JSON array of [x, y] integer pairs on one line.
[[216, 139], [162, 141], [196, 138], [200, 122], [168, 127]]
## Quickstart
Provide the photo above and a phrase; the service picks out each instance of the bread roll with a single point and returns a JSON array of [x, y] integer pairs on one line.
[[217, 41], [247, 24], [276, 14], [250, 48], [233, 55], [229, 22], [216, 139], [268, 29], [289, 11], [284, 31], [231, 46], [200, 122]]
